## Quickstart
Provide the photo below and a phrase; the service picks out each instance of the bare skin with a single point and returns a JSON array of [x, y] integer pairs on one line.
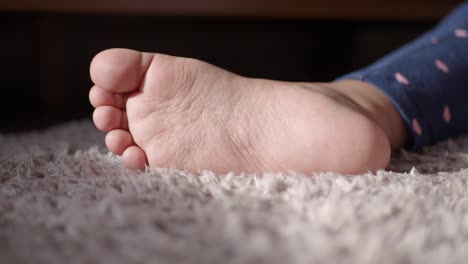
[[166, 111]]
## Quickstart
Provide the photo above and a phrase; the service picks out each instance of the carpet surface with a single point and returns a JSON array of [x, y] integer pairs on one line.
[[65, 199]]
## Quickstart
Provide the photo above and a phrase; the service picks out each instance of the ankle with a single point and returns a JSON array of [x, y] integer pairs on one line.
[[377, 107]]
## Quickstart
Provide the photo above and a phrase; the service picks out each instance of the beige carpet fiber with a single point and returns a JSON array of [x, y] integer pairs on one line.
[[65, 199]]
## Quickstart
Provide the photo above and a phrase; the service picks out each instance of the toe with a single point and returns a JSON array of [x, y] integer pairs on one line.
[[134, 158], [119, 70], [118, 140], [99, 97], [107, 118]]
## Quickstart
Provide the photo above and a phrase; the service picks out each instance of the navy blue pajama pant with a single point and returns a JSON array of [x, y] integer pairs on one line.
[[427, 80]]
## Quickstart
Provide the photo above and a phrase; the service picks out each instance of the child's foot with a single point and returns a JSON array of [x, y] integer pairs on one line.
[[175, 112]]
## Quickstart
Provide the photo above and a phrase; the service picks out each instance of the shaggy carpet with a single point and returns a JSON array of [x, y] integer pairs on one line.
[[65, 199]]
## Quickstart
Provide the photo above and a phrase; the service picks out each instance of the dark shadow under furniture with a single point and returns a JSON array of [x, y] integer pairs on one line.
[[47, 44]]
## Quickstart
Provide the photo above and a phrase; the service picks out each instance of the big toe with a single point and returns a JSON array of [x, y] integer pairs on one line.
[[119, 70]]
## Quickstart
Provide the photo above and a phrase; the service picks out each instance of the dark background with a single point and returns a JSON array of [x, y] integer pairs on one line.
[[45, 55]]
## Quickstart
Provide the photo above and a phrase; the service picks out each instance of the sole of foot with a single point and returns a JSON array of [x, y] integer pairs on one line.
[[166, 111]]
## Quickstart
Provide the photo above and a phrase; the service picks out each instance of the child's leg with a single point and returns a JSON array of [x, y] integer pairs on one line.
[[177, 112], [427, 80]]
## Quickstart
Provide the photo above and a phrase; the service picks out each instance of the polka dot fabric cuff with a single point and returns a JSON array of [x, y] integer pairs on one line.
[[427, 80]]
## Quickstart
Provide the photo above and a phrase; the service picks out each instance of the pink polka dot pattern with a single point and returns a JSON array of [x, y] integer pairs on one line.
[[401, 78], [416, 127], [441, 66], [461, 33], [426, 80], [447, 115]]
